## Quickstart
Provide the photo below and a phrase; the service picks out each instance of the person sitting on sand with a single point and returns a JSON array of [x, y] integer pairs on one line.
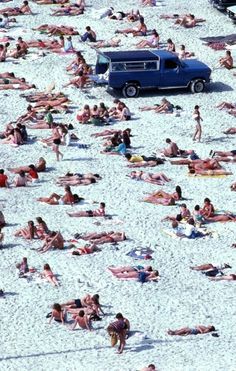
[[183, 54], [50, 277], [152, 42], [187, 230], [208, 212], [79, 81], [183, 215], [23, 267], [163, 198], [157, 178], [83, 320], [140, 276], [142, 161], [3, 179], [68, 199], [89, 35], [172, 150], [199, 329], [57, 314], [90, 213], [40, 166], [29, 232], [117, 331], [141, 30], [42, 228], [20, 179], [53, 240], [227, 61]]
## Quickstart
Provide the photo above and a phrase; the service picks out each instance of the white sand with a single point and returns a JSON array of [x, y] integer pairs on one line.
[[182, 297]]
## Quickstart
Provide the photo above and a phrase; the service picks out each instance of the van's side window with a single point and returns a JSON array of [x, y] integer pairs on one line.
[[118, 67], [135, 66], [150, 65], [170, 64]]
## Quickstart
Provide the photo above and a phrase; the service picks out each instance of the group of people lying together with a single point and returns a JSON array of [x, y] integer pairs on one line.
[[101, 114], [95, 239], [8, 81], [185, 20], [77, 179], [61, 45], [54, 30], [139, 273], [215, 273]]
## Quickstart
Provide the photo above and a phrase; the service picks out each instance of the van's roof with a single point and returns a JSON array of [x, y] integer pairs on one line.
[[137, 55]]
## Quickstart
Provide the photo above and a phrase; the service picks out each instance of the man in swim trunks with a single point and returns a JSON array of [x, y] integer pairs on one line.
[[192, 331]]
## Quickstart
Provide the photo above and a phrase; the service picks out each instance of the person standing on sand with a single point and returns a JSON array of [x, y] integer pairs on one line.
[[198, 129]]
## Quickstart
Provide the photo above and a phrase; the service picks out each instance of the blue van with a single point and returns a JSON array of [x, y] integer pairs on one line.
[[130, 71]]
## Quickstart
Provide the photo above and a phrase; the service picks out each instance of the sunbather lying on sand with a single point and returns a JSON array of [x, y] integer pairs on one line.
[[69, 10], [114, 42], [67, 199], [40, 166], [53, 240], [141, 276], [90, 213], [192, 331], [163, 198], [229, 277], [89, 302], [87, 249], [49, 276], [142, 161], [129, 268], [206, 267], [104, 237], [230, 131], [24, 9], [158, 178], [56, 30]]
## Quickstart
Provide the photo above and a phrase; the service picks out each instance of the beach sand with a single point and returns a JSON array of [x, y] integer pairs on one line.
[[181, 297]]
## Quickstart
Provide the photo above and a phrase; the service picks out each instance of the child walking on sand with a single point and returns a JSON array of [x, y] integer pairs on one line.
[[198, 128]]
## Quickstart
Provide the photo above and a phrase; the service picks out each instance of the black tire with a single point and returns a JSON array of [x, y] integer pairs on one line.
[[197, 86], [130, 90]]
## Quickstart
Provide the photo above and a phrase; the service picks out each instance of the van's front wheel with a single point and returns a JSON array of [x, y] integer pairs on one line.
[[197, 86], [130, 90]]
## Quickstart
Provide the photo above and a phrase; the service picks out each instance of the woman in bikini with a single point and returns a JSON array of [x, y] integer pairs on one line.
[[42, 228], [57, 314], [149, 276], [157, 178], [29, 232], [140, 30], [164, 198], [192, 331], [48, 274], [40, 166], [109, 237], [68, 199]]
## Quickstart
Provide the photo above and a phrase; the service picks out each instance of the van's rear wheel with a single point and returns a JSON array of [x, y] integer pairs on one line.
[[197, 86], [130, 90]]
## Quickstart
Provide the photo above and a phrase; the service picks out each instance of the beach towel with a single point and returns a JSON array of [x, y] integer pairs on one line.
[[141, 253], [208, 175], [222, 39]]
